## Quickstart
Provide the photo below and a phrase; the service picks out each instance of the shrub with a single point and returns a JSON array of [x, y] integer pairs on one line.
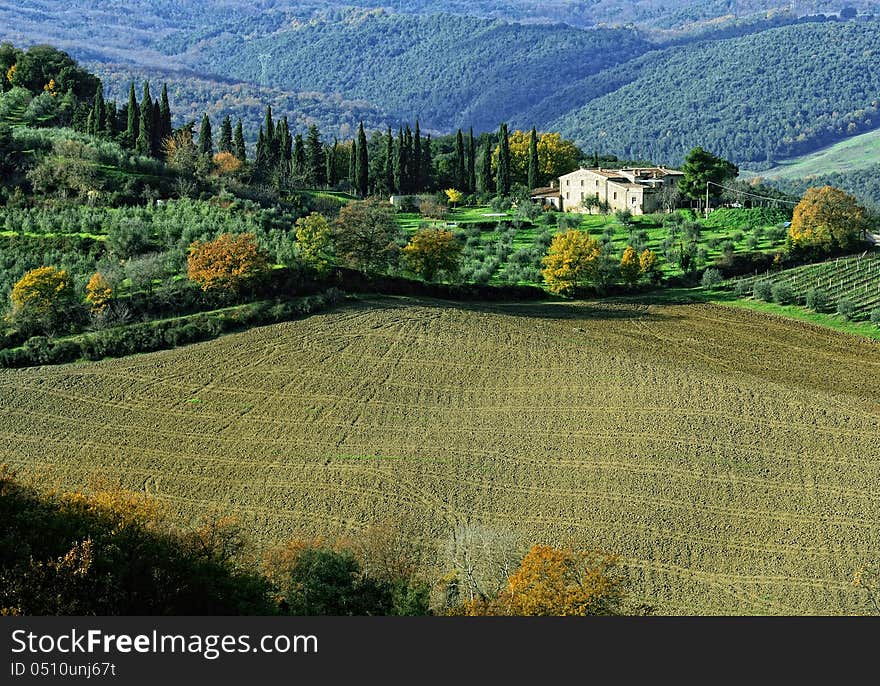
[[818, 300], [846, 308], [875, 316], [711, 277], [763, 290], [741, 288], [782, 294]]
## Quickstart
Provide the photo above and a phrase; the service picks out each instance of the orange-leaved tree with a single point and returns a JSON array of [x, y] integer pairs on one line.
[[571, 262], [559, 582], [827, 218], [226, 164], [431, 251], [226, 263], [648, 265]]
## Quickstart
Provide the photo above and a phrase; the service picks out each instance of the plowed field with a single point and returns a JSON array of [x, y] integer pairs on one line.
[[731, 458]]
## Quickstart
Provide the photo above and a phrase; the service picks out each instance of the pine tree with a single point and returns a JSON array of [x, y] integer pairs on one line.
[[206, 140], [317, 165], [389, 162], [225, 144], [133, 112], [533, 159], [144, 145], [239, 148], [485, 177], [503, 172], [460, 168], [363, 169], [417, 172], [166, 128], [472, 162]]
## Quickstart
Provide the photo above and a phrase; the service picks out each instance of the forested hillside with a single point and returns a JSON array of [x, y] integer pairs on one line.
[[776, 94], [447, 70]]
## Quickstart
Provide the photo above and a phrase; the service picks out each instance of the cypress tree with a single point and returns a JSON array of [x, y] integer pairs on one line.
[[533, 159], [239, 148], [299, 159], [166, 129], [408, 160], [269, 127], [427, 164], [472, 162], [317, 165], [90, 121], [363, 170], [400, 166], [225, 144], [285, 148], [352, 165], [96, 127], [417, 173], [157, 137], [503, 176], [110, 119], [206, 140], [389, 162], [460, 169], [485, 177], [595, 159], [332, 153], [144, 144], [131, 129]]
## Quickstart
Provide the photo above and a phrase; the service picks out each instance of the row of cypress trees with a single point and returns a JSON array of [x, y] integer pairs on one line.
[[138, 126]]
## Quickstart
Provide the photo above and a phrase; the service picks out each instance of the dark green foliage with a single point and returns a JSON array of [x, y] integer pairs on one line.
[[225, 142], [40, 64], [460, 163], [165, 128], [206, 140], [533, 159], [875, 316], [316, 162], [133, 116], [144, 144], [502, 178], [362, 164], [728, 95], [485, 182], [239, 148], [704, 171]]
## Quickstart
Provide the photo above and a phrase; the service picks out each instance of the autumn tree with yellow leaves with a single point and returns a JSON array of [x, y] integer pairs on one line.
[[226, 263], [431, 251], [556, 156], [571, 262], [314, 238], [630, 268], [827, 219], [42, 299], [98, 293]]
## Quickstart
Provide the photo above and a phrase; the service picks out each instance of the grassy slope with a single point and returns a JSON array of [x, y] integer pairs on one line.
[[852, 155], [727, 455]]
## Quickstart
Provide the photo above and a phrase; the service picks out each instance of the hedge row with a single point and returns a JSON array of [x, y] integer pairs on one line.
[[160, 335]]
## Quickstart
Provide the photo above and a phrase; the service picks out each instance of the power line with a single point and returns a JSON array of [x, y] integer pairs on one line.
[[753, 195]]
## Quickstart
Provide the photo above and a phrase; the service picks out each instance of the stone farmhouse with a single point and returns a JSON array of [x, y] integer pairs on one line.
[[639, 190]]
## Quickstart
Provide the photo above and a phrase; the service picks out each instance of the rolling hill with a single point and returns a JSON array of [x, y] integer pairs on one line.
[[728, 457]]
